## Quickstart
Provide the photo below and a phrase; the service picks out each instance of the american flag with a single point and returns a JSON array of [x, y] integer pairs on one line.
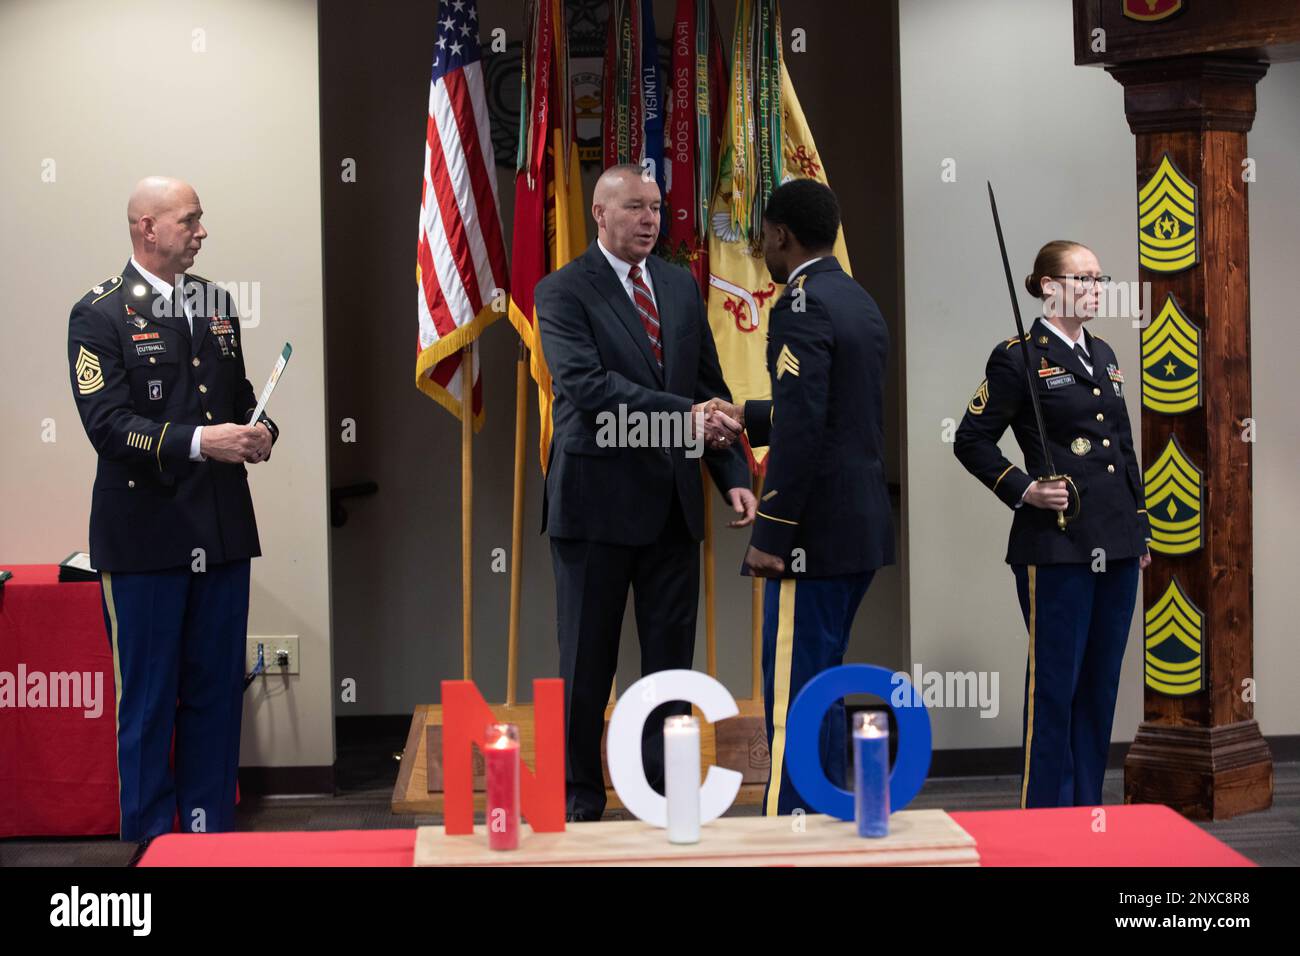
[[461, 265]]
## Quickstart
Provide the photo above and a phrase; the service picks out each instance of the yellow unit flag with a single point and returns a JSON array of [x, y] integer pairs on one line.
[[741, 291]]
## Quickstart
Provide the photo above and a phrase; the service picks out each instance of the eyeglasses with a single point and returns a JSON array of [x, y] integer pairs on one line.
[[1086, 281]]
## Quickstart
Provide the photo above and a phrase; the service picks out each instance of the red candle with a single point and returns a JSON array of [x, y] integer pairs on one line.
[[501, 753]]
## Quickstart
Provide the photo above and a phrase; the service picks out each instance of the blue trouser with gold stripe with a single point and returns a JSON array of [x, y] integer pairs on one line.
[[178, 640], [1078, 621], [806, 623]]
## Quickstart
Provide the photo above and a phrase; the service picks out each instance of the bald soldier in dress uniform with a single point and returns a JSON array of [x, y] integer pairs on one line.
[[824, 522], [158, 378]]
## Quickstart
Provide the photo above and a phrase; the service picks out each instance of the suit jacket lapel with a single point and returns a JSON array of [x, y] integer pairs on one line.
[[602, 276]]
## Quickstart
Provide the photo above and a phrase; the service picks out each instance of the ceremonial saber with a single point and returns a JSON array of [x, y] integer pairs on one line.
[[1029, 375], [280, 363]]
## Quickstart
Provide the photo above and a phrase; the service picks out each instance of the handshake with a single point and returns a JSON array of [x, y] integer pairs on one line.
[[723, 422]]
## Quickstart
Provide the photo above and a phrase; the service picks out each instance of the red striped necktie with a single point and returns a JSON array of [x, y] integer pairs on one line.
[[645, 307]]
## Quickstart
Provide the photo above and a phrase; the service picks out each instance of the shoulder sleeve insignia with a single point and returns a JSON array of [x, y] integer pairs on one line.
[[786, 362], [89, 377], [980, 399], [105, 288]]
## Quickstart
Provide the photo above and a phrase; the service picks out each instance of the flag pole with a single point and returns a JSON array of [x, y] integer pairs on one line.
[[466, 507], [517, 524], [710, 610], [756, 621]]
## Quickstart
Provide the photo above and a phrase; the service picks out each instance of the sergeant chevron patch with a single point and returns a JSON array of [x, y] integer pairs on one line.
[[980, 399], [786, 362], [89, 377]]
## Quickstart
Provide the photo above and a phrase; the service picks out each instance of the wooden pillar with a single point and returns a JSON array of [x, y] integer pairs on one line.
[[1198, 748]]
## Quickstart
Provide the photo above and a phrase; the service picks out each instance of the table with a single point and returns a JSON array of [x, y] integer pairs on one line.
[[1134, 835], [58, 766]]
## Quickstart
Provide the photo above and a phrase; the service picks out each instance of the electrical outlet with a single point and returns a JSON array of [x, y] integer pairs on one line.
[[273, 647]]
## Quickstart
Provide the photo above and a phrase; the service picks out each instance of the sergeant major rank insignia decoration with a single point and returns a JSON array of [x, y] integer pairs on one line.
[[1167, 220], [1171, 362], [1173, 663], [1174, 502], [89, 377], [1150, 11]]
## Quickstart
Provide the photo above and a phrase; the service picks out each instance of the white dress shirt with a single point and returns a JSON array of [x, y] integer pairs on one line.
[[1071, 344], [623, 271], [166, 290], [799, 268]]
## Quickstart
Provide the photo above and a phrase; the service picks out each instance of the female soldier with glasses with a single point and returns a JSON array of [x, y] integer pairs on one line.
[[1077, 584]]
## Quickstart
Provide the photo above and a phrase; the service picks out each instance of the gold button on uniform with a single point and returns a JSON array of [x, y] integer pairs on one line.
[[1105, 443], [1096, 391], [195, 362], [1101, 417], [203, 389], [209, 414], [131, 483], [1111, 469], [152, 360]]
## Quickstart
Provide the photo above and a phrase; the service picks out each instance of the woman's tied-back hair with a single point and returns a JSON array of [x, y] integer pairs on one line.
[[1049, 262]]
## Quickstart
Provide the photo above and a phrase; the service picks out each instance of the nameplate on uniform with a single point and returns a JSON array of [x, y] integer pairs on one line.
[[1060, 381], [150, 348]]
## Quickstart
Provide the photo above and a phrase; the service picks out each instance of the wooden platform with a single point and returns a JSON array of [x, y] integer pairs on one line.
[[739, 743], [917, 838]]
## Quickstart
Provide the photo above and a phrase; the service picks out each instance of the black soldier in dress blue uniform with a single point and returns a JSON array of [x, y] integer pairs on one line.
[[824, 520], [1077, 587], [171, 521]]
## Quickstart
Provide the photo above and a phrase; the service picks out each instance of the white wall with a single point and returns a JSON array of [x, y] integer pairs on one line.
[[111, 93], [992, 85]]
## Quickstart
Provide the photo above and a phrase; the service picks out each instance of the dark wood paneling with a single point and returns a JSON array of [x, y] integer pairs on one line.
[[1260, 29]]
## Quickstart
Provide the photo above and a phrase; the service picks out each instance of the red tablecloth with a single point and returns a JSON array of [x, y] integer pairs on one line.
[[58, 767], [1134, 835]]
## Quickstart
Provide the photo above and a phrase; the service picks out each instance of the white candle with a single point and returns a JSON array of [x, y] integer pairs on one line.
[[682, 778]]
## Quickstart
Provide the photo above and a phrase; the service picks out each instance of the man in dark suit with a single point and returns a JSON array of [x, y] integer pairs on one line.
[[824, 523], [632, 360], [158, 377]]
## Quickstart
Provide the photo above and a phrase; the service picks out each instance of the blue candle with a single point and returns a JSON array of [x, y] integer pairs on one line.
[[871, 773]]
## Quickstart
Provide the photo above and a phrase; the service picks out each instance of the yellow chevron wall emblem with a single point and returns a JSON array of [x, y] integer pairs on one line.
[[89, 377], [1174, 502], [1167, 220], [1172, 632], [1171, 362], [786, 362]]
